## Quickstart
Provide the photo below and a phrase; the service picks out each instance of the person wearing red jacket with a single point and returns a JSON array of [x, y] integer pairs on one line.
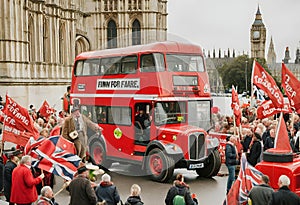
[[23, 190]]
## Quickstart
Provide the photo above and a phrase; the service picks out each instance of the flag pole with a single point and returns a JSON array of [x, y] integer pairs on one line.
[[252, 88], [234, 125], [65, 184]]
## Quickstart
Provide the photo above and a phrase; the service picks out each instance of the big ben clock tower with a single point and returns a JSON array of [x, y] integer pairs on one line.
[[258, 37]]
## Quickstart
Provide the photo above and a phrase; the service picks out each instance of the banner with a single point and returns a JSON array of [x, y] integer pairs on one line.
[[265, 82], [267, 109], [18, 126], [291, 87], [235, 106]]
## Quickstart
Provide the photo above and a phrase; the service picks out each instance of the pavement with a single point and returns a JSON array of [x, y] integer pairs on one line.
[[123, 181]]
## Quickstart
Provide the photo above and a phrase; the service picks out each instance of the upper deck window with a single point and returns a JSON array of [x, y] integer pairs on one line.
[[152, 62], [129, 64], [87, 67], [110, 65], [184, 63]]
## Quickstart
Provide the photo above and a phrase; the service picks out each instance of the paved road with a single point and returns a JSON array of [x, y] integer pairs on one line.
[[208, 191]]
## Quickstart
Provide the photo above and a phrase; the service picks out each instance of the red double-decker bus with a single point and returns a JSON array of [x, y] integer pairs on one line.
[[154, 104]]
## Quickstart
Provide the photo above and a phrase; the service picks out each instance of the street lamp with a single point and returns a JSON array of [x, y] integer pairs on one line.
[[246, 78]]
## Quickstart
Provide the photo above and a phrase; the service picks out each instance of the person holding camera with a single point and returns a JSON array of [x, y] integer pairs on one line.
[[231, 160]]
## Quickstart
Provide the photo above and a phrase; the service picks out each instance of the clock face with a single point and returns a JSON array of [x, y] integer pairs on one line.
[[256, 34]]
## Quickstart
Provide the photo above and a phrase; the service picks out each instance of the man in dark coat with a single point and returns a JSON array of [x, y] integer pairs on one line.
[[262, 193], [81, 190], [10, 165], [284, 196], [269, 143], [107, 191], [255, 150], [180, 188], [231, 160]]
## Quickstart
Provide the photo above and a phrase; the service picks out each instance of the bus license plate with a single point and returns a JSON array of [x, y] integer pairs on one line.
[[196, 166]]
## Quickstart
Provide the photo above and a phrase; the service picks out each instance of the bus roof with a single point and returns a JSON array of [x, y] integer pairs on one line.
[[165, 46]]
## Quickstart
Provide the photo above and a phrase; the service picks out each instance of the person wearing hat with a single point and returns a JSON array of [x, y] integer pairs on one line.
[[81, 190], [107, 191], [253, 157], [75, 130], [10, 165]]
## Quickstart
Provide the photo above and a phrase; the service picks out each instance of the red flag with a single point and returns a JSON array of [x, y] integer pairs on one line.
[[291, 87], [18, 125], [248, 177], [46, 110], [267, 109], [235, 105], [282, 142], [265, 82]]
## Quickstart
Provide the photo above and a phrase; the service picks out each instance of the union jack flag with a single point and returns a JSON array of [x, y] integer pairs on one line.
[[54, 154], [248, 177]]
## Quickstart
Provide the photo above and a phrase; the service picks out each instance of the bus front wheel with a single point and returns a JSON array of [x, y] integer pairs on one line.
[[213, 166], [98, 154], [159, 165]]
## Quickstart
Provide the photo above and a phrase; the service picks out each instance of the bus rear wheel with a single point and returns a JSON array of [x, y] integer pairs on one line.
[[159, 165], [213, 166], [98, 154]]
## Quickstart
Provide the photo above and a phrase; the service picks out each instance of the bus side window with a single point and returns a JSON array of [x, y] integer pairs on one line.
[[128, 67], [113, 69], [147, 63], [129, 64]]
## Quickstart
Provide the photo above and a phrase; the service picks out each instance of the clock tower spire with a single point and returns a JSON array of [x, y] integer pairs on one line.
[[258, 37]]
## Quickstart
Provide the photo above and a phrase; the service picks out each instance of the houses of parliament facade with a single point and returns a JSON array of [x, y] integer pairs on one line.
[[39, 40]]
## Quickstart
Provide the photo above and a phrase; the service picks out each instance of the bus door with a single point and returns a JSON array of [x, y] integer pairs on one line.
[[142, 122]]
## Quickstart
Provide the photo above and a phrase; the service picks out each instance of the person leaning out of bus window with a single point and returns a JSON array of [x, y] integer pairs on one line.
[[143, 119]]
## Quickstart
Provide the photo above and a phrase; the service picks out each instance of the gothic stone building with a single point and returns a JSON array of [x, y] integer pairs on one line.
[[39, 40]]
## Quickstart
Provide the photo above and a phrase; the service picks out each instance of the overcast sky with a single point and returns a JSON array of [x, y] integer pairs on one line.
[[226, 24]]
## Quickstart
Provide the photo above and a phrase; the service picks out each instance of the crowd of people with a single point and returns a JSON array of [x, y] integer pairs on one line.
[[253, 137], [82, 189]]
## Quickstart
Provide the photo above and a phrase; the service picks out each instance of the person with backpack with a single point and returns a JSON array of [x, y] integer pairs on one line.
[[179, 193]]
